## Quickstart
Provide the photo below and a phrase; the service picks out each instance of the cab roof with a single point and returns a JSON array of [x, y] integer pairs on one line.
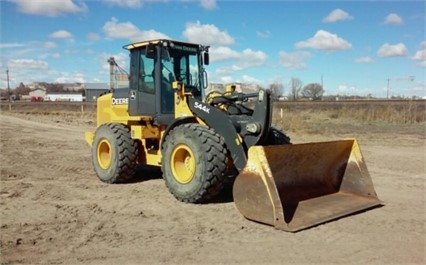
[[157, 41]]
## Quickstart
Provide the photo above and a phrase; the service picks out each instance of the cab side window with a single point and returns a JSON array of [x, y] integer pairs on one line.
[[146, 66]]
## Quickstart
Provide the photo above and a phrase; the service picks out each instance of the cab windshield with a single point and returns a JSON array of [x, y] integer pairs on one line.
[[182, 63]]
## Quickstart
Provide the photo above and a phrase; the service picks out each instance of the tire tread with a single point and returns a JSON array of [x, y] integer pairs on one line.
[[213, 145]]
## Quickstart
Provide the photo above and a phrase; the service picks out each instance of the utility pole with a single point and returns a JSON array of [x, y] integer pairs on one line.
[[409, 78], [387, 90], [8, 87]]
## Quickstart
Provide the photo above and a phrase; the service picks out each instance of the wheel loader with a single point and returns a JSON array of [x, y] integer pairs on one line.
[[205, 141]]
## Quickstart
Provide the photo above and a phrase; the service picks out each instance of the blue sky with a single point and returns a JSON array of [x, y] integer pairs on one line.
[[354, 47]]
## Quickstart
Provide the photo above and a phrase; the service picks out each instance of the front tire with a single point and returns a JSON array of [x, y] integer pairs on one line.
[[114, 153], [194, 160]]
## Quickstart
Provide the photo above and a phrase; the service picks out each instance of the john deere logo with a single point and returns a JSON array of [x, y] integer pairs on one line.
[[120, 101]]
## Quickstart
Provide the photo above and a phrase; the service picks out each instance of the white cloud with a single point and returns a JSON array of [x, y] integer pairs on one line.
[[50, 8], [226, 70], [337, 15], [394, 19], [65, 77], [61, 34], [239, 61], [226, 79], [116, 30], [364, 60], [205, 4], [11, 45], [222, 53], [124, 3], [263, 34], [127, 30], [49, 45], [422, 64], [420, 56], [293, 60], [388, 50], [93, 36], [245, 59], [122, 59], [246, 79], [32, 49], [418, 89], [207, 34], [250, 58], [56, 55], [132, 3], [208, 4], [27, 64], [324, 40], [347, 89]]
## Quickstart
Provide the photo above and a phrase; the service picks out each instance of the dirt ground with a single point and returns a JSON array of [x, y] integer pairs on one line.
[[54, 210]]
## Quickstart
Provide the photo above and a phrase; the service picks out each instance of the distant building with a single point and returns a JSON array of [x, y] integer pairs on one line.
[[73, 86], [64, 96], [37, 92], [93, 90]]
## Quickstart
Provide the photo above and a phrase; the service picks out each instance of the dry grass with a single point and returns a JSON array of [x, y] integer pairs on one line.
[[295, 117], [61, 112], [349, 117]]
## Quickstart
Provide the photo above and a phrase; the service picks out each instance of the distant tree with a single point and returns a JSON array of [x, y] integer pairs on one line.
[[295, 88], [22, 89], [53, 87], [313, 91], [276, 89], [259, 87], [82, 91], [3, 92]]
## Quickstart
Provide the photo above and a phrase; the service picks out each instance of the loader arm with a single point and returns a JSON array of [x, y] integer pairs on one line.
[[252, 129], [293, 187], [222, 124]]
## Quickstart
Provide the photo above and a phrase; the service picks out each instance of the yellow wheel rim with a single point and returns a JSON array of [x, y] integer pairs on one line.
[[183, 164], [104, 154]]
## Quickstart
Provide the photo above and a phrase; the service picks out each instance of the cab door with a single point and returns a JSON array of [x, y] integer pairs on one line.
[[142, 100]]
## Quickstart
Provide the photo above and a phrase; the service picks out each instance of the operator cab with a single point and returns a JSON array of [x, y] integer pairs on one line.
[[154, 65]]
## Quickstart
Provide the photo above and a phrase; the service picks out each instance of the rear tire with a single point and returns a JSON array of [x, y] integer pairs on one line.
[[194, 160], [114, 153]]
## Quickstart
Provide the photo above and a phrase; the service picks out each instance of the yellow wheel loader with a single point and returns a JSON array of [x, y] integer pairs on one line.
[[202, 142]]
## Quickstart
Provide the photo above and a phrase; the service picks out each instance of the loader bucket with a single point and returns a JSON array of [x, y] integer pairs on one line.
[[293, 187]]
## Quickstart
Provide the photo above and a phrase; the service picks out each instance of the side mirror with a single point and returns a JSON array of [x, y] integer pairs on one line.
[[206, 58]]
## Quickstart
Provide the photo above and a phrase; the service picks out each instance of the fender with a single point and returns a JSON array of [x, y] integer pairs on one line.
[[177, 122]]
